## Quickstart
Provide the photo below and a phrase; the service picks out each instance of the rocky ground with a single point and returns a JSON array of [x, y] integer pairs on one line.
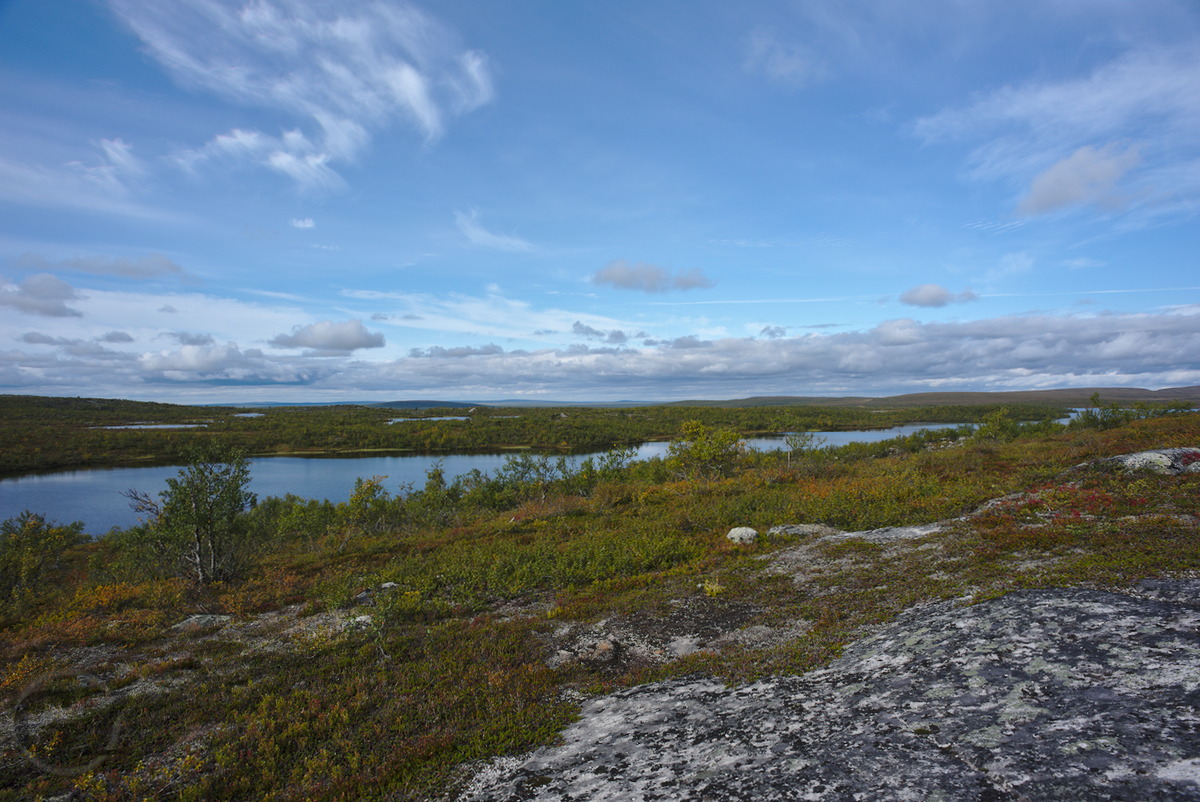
[[1055, 694], [1060, 694]]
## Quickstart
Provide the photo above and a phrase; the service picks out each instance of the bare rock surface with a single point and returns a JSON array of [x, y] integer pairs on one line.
[[1171, 461], [1061, 694]]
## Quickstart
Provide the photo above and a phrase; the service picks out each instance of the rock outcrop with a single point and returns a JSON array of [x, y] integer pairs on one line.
[[1066, 694]]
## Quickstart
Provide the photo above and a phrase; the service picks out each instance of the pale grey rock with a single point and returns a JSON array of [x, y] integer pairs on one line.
[[742, 535], [802, 530], [889, 533], [1172, 461], [196, 622], [1039, 695]]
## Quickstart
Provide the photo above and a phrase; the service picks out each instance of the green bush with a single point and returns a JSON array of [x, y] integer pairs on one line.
[[199, 528], [705, 452], [30, 547]]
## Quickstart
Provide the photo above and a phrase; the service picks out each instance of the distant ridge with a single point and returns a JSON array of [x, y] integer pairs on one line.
[[1069, 396], [1072, 396], [424, 405]]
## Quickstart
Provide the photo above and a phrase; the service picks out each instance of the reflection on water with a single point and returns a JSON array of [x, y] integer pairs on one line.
[[94, 495]]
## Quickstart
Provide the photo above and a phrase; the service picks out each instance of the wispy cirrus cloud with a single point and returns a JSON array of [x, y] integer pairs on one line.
[[786, 63], [150, 266], [105, 184], [340, 70], [468, 223], [493, 315], [1131, 122]]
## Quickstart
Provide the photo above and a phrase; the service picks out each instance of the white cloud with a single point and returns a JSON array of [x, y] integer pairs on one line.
[[327, 337], [291, 154], [104, 186], [1043, 135], [147, 267], [1015, 352], [1083, 262], [788, 64], [1020, 352], [649, 278], [1089, 175], [492, 316], [932, 295], [345, 69], [1010, 264], [477, 234], [41, 294], [218, 365], [303, 223]]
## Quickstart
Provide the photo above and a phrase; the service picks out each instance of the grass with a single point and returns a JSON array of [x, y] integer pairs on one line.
[[310, 694]]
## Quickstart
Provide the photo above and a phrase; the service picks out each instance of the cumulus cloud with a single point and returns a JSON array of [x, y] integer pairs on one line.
[[327, 337], [649, 278], [219, 365], [41, 294], [773, 332], [459, 352], [344, 70], [147, 267], [1017, 352], [933, 295], [189, 338], [116, 337], [1020, 352], [1089, 175], [470, 227], [304, 222], [612, 336]]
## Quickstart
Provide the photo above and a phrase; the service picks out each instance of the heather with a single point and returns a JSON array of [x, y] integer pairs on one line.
[[378, 646]]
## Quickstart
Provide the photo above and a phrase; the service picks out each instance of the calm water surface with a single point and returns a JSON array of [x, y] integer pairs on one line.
[[94, 495]]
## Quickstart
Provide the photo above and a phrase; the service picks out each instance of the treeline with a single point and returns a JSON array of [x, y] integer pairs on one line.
[[51, 433]]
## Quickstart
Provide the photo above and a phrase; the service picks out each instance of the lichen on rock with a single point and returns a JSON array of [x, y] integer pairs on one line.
[[1061, 694]]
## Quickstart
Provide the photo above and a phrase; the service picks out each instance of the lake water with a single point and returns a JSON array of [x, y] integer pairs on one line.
[[94, 495]]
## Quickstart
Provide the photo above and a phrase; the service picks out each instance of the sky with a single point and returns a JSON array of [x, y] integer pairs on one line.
[[209, 201]]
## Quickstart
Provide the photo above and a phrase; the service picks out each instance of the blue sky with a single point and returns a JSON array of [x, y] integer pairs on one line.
[[292, 200]]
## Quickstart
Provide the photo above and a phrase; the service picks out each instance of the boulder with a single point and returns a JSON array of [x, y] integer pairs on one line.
[[1160, 460], [743, 535]]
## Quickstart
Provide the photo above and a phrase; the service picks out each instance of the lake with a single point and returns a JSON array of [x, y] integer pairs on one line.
[[93, 495]]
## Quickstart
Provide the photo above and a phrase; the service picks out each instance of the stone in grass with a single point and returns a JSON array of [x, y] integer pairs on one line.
[[197, 622], [802, 530], [742, 535]]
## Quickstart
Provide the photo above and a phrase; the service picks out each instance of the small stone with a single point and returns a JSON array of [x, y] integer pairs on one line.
[[742, 535], [388, 586], [602, 651]]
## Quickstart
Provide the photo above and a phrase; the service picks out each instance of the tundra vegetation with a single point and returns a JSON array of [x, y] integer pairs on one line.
[[378, 646]]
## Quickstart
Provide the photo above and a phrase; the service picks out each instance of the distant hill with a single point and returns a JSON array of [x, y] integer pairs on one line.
[[1075, 397], [1072, 397], [424, 404]]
